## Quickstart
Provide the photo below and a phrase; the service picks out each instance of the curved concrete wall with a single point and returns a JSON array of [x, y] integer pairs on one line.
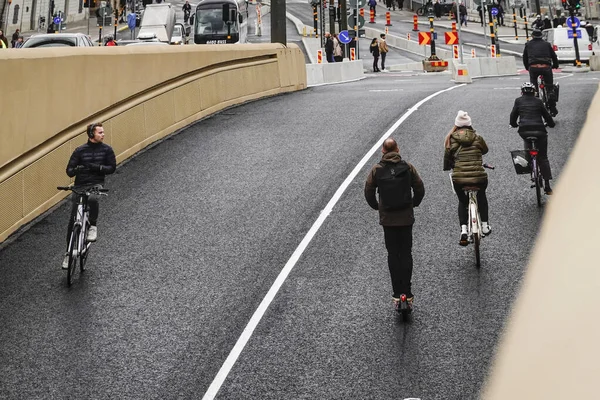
[[141, 93]]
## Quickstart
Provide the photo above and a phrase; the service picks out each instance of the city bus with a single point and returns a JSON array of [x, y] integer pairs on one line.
[[221, 21]]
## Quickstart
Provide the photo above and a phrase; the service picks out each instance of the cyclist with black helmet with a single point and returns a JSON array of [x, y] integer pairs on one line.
[[531, 117], [539, 58], [89, 163]]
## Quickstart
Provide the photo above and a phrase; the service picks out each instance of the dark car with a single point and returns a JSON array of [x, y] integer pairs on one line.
[[59, 40]]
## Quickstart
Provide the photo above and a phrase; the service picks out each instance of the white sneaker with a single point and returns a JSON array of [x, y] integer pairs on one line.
[[486, 229], [92, 234], [65, 263]]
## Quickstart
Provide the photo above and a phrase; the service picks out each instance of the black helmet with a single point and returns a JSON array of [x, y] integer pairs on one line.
[[527, 87], [536, 33]]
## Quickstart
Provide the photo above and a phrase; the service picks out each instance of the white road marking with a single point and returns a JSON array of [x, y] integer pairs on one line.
[[216, 384], [561, 77]]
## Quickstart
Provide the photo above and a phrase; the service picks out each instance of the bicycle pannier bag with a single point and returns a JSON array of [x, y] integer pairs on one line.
[[394, 186], [521, 161]]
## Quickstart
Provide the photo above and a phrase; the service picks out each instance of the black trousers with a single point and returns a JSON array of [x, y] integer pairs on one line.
[[463, 203], [542, 158], [383, 60], [546, 72], [94, 211], [375, 62], [398, 242]]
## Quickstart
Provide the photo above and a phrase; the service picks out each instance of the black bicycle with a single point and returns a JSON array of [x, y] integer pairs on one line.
[[536, 174], [543, 94], [78, 248]]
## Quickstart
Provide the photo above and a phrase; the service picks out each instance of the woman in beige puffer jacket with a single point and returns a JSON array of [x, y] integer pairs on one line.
[[463, 151]]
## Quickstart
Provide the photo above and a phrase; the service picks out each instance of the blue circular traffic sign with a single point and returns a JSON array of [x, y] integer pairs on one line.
[[56, 20], [344, 37], [570, 22], [494, 11]]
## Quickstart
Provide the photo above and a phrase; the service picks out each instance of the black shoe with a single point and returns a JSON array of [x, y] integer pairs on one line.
[[548, 190]]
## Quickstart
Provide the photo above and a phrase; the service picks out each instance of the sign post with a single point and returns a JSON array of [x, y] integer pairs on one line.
[[574, 23]]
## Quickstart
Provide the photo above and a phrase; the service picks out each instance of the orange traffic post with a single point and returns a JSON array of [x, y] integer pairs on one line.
[[319, 56], [372, 16], [455, 51], [453, 26], [415, 23], [493, 51], [388, 19], [408, 36], [352, 54], [473, 54], [386, 30]]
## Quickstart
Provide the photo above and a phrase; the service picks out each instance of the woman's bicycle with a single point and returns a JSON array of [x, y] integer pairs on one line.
[[474, 226], [79, 247], [536, 175]]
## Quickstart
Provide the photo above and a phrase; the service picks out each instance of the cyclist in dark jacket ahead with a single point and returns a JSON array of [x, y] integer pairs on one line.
[[89, 164], [539, 58], [529, 114]]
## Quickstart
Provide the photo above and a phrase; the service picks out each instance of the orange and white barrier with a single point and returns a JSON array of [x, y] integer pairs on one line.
[[408, 36], [493, 51], [319, 56], [386, 30], [388, 19], [473, 54], [415, 23], [453, 26], [455, 51], [352, 54]]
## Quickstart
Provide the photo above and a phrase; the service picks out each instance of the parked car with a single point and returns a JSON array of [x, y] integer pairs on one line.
[[564, 45], [59, 40]]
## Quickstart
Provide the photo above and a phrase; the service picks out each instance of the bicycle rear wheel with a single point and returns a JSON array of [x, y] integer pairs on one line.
[[476, 242], [538, 183], [73, 254]]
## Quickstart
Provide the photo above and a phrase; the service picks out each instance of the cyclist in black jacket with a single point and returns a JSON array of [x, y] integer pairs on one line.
[[89, 164], [539, 58], [529, 114]]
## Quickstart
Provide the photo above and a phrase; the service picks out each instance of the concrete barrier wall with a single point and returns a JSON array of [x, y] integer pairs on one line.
[[320, 74], [54, 93], [595, 63], [538, 356], [486, 66]]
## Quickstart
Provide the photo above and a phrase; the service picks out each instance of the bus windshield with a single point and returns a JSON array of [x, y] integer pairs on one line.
[[209, 21]]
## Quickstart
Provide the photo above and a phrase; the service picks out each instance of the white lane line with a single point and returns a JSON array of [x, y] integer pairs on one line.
[[562, 77], [216, 384]]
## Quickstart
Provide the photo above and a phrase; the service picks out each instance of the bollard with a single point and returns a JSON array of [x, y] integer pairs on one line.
[[453, 26], [415, 23], [388, 19], [473, 55], [352, 54], [408, 36], [493, 51], [319, 56], [455, 50], [515, 23], [526, 28], [372, 17], [386, 30], [304, 31]]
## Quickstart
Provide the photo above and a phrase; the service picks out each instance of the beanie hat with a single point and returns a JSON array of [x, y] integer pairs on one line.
[[462, 119]]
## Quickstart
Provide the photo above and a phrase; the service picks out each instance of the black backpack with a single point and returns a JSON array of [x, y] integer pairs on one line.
[[394, 186]]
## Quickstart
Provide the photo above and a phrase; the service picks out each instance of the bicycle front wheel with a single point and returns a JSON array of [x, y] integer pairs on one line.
[[73, 254], [85, 249]]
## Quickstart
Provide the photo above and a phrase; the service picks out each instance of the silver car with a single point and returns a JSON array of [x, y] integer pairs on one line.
[[59, 40]]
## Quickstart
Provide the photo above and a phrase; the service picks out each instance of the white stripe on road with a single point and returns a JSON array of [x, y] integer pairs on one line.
[[561, 77], [216, 384]]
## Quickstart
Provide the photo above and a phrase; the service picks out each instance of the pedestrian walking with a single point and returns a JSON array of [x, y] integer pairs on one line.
[[19, 42], [437, 9], [374, 49], [399, 189], [538, 23], [15, 36], [462, 9], [373, 7], [338, 52], [390, 4], [400, 4], [383, 50], [4, 40], [328, 47], [480, 11]]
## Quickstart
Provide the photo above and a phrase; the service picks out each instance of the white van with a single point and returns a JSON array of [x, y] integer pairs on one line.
[[563, 44]]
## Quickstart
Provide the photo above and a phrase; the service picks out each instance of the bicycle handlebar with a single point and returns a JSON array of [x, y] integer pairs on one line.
[[86, 191]]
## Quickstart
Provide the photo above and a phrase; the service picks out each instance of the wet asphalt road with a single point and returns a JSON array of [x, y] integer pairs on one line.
[[196, 229]]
